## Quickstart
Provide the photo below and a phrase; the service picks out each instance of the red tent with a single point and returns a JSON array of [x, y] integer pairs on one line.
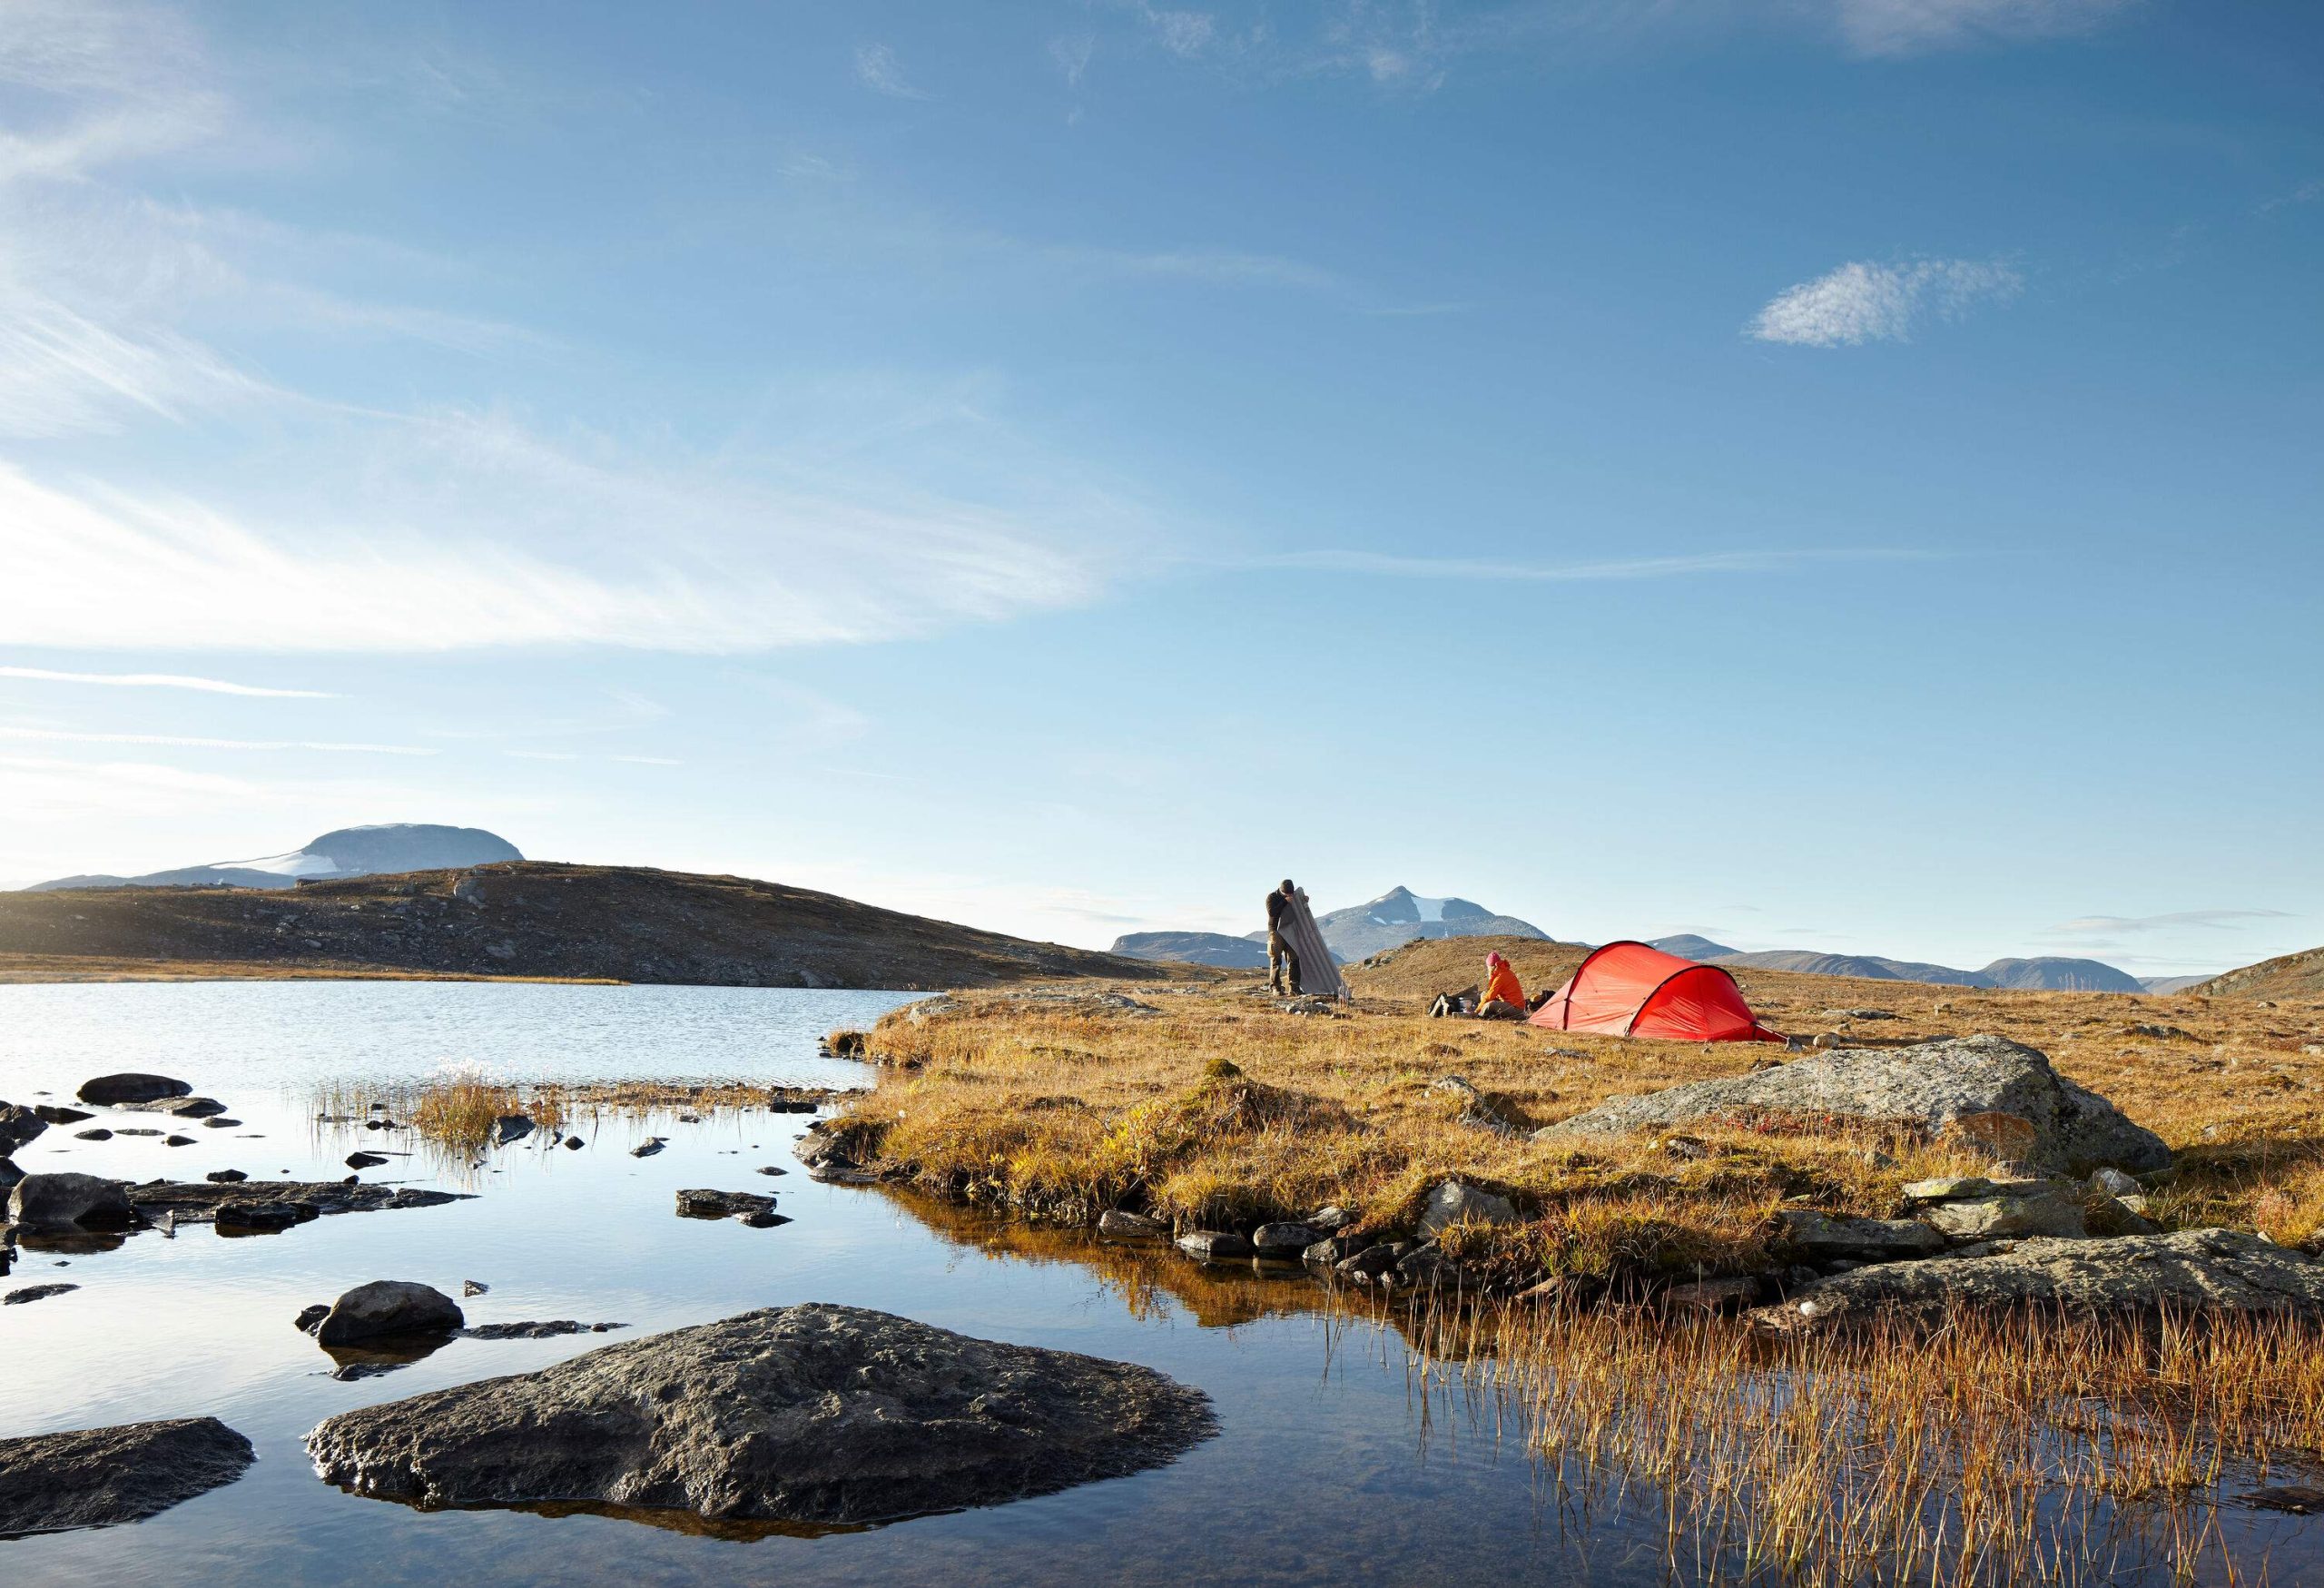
[[1629, 989]]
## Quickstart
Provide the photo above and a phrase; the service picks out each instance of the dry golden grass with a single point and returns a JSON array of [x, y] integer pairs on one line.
[[2009, 1447], [1062, 1108]]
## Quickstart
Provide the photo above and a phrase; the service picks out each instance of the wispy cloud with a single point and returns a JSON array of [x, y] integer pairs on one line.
[[165, 681], [193, 742], [1641, 568], [63, 373], [1072, 52], [2177, 920], [877, 68], [1900, 27], [1862, 301]]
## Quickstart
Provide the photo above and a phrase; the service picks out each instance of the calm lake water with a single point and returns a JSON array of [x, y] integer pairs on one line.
[[1330, 1466]]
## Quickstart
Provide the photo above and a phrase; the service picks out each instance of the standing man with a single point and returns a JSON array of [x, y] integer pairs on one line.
[[1283, 965]]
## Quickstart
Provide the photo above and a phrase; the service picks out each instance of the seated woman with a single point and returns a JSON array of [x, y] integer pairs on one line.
[[1504, 996]]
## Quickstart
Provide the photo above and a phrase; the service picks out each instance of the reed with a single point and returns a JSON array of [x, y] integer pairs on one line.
[[1994, 1449]]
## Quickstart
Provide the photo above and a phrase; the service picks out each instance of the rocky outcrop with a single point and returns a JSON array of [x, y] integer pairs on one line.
[[96, 1478], [812, 1413], [2192, 1271], [1984, 1086], [131, 1087], [388, 1308]]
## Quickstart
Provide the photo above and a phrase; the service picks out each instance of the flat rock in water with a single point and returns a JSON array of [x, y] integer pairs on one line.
[[58, 1114], [1974, 1082], [31, 1293], [199, 1203], [1126, 1225], [1211, 1245], [2194, 1270], [100, 1476], [815, 1414], [131, 1087], [537, 1330], [722, 1204], [190, 1107]]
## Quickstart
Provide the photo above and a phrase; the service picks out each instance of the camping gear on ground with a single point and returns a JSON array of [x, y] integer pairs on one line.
[[1633, 990], [1318, 974]]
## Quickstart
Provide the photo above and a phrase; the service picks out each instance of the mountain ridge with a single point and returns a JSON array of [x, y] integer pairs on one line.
[[525, 919], [343, 851]]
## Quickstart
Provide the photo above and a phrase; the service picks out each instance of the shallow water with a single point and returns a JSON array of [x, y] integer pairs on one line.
[[1329, 1467]]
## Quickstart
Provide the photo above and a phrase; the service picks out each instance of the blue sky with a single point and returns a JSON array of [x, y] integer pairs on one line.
[[1840, 473]]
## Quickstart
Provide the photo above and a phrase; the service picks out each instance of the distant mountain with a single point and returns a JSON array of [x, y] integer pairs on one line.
[[1399, 915], [346, 852], [2062, 974], [2052, 972], [2172, 983], [1870, 966], [1194, 948], [1687, 946]]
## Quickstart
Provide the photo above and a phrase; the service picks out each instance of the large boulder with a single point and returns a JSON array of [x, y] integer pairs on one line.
[[2194, 1270], [18, 1125], [95, 1478], [131, 1087], [1936, 1086], [815, 1414], [56, 1200], [387, 1308]]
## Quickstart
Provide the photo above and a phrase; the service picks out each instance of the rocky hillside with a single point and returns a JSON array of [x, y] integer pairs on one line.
[[527, 918], [2300, 976], [345, 851]]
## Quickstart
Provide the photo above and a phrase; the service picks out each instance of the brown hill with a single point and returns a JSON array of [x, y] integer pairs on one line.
[[525, 919], [2300, 976]]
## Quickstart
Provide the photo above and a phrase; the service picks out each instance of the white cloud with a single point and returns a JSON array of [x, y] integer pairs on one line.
[[1639, 568], [1861, 302], [163, 681], [1898, 27], [877, 68], [2210, 919], [469, 530], [192, 742], [63, 373]]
